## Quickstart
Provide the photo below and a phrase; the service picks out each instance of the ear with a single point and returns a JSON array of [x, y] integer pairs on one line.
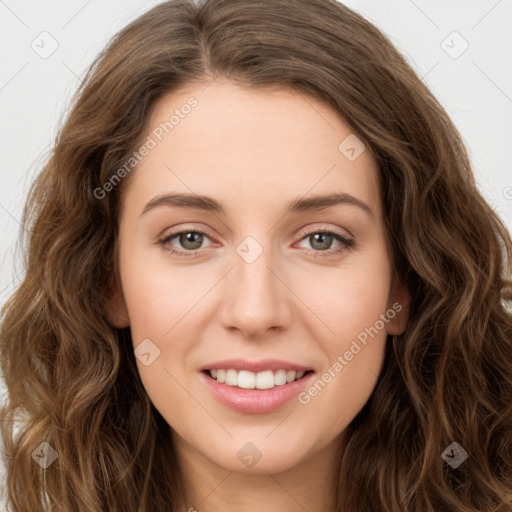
[[116, 310], [399, 301]]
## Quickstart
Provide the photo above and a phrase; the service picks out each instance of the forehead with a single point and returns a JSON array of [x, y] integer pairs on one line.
[[252, 146]]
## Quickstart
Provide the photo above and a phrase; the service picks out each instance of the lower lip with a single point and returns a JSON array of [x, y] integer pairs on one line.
[[255, 401]]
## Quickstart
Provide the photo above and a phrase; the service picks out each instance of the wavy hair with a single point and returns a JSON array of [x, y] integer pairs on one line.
[[71, 377]]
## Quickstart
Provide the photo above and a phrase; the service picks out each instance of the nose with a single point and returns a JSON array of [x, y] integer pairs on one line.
[[257, 296]]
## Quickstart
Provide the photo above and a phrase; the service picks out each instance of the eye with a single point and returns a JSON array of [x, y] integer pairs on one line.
[[190, 240], [321, 242]]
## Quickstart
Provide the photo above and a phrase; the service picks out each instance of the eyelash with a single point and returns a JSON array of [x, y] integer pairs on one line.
[[346, 244]]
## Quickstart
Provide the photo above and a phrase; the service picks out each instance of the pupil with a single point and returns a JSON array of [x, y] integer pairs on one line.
[[190, 238], [321, 237]]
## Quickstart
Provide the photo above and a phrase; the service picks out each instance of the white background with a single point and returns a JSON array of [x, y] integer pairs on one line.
[[475, 88]]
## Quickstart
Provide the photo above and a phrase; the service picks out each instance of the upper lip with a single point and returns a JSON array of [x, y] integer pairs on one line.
[[255, 366]]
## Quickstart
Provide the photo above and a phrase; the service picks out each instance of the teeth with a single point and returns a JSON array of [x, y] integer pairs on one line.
[[244, 379], [264, 380], [249, 380], [280, 377], [231, 377]]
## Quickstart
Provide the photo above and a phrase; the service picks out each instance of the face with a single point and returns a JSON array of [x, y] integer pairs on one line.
[[250, 280]]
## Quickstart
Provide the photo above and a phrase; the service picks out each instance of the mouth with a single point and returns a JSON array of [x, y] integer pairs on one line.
[[255, 388], [245, 379]]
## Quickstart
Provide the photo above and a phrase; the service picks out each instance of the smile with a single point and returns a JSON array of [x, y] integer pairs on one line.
[[255, 387], [250, 380]]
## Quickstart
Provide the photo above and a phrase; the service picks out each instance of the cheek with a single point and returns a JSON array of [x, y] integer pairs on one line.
[[157, 295], [347, 299], [157, 309], [352, 303], [163, 303]]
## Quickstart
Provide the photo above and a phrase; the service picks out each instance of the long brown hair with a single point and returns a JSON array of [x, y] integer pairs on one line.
[[72, 378]]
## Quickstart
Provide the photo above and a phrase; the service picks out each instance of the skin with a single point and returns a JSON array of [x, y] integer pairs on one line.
[[255, 151]]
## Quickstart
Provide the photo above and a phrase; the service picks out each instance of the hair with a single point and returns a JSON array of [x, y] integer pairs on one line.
[[72, 377]]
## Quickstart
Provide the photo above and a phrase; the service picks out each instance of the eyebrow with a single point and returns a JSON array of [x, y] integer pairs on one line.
[[205, 203]]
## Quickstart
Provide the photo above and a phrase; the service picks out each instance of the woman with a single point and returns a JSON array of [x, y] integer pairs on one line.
[[368, 370]]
